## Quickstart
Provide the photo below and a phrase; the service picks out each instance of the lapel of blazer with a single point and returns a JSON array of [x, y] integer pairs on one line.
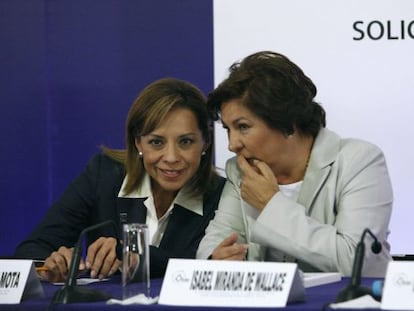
[[131, 210], [182, 227], [324, 152], [185, 228]]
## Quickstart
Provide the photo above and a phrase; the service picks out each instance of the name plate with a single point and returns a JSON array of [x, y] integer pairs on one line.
[[18, 281], [398, 291], [222, 283]]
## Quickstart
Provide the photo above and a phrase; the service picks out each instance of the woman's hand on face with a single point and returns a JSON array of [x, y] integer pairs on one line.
[[229, 249], [101, 258], [258, 184], [57, 265]]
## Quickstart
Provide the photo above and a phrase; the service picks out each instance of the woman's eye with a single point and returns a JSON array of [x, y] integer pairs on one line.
[[155, 142], [243, 127], [186, 141]]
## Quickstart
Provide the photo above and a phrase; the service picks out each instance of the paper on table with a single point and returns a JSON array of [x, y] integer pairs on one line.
[[82, 281], [311, 279], [137, 299], [363, 302]]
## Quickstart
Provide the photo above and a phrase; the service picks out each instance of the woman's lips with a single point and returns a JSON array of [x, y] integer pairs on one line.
[[170, 173]]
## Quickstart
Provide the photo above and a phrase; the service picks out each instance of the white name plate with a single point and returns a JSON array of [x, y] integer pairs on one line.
[[18, 281], [222, 283], [398, 291]]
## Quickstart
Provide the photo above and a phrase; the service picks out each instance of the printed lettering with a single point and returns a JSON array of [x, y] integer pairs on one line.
[[201, 280], [248, 284], [270, 281], [383, 30], [9, 279], [229, 280]]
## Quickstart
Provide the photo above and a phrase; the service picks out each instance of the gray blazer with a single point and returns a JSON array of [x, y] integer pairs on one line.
[[346, 189]]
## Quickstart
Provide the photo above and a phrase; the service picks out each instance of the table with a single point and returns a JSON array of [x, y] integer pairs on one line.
[[317, 298]]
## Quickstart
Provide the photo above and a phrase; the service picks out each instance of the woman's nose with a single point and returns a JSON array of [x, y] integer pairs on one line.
[[234, 143], [171, 154]]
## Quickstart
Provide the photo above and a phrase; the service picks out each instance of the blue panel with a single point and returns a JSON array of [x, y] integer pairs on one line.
[[24, 151]]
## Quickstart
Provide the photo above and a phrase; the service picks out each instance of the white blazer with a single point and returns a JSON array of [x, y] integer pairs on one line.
[[346, 189]]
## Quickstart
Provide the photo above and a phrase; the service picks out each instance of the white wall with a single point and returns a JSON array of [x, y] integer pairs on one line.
[[366, 85]]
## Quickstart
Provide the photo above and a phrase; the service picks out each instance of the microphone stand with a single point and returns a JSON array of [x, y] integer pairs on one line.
[[354, 289], [70, 292]]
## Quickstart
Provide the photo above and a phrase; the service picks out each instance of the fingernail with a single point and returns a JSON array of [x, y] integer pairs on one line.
[[88, 265], [93, 274], [100, 276]]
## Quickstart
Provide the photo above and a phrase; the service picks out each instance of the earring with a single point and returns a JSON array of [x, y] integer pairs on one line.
[[140, 154], [203, 153]]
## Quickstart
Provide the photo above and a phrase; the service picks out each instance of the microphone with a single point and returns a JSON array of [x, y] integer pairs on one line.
[[377, 288], [354, 289], [70, 292]]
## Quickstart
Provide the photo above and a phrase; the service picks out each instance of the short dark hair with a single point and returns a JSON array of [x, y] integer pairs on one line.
[[274, 89]]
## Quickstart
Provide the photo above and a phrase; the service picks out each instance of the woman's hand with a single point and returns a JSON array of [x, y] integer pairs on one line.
[[57, 265], [101, 258], [229, 249], [258, 184]]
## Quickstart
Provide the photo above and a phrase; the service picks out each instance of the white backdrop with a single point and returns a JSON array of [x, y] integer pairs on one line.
[[360, 55]]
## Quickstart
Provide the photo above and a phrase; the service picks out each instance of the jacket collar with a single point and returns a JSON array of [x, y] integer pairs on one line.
[[183, 198], [324, 152]]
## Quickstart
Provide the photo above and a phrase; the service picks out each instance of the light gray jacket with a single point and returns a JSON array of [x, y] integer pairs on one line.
[[346, 189]]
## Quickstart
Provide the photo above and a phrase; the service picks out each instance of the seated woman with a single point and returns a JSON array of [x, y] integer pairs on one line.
[[296, 191], [164, 178]]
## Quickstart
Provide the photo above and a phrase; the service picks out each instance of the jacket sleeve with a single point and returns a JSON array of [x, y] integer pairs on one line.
[[229, 216], [68, 216]]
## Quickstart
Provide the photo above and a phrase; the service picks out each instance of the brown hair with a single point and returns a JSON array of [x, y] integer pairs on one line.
[[148, 111]]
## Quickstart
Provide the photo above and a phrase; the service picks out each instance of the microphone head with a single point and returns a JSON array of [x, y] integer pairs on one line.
[[376, 247], [377, 288]]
